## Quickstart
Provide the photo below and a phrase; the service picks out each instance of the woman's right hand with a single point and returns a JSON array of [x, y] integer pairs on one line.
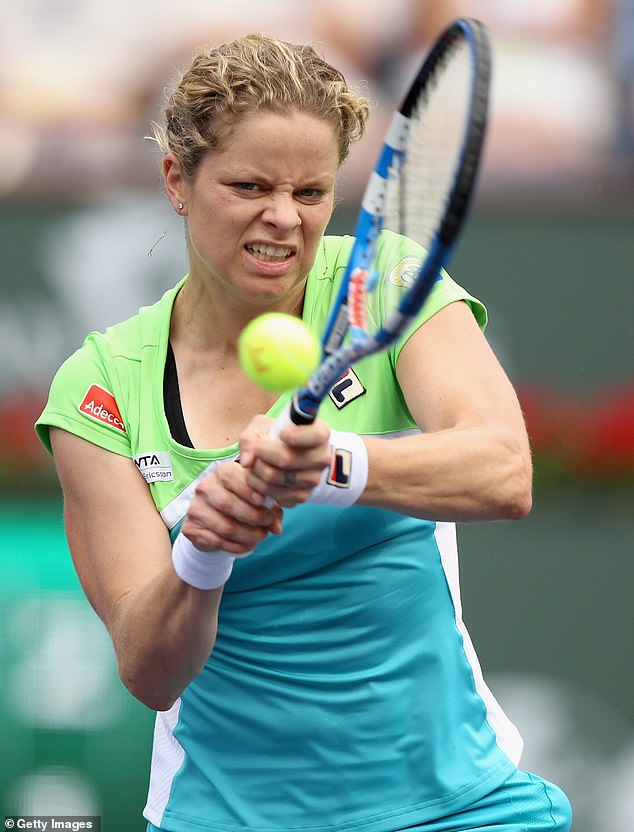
[[227, 514]]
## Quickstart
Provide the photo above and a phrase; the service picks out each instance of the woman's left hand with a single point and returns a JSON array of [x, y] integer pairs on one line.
[[288, 468]]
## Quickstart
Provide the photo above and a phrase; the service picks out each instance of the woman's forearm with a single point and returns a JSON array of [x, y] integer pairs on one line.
[[163, 634], [458, 474]]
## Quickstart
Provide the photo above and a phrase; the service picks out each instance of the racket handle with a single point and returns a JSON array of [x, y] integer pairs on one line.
[[291, 415], [284, 419]]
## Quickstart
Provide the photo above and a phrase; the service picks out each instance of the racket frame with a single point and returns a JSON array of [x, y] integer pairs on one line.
[[337, 356]]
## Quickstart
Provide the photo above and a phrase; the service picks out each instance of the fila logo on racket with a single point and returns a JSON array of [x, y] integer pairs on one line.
[[346, 389], [100, 405]]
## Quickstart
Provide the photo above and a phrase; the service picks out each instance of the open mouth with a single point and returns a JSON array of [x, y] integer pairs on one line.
[[270, 253]]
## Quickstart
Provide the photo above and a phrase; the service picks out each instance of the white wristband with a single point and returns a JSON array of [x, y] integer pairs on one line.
[[344, 480], [203, 570]]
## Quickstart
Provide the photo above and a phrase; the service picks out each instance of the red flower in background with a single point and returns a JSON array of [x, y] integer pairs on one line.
[[583, 436], [608, 446], [20, 448]]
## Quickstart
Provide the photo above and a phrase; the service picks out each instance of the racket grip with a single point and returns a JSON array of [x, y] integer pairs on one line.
[[280, 423], [291, 415]]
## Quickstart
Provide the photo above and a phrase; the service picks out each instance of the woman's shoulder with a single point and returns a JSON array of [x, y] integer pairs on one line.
[[93, 386], [148, 327]]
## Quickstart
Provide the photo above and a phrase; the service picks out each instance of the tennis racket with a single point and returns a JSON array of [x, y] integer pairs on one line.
[[421, 187]]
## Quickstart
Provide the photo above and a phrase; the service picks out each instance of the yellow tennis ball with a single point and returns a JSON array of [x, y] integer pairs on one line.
[[278, 351]]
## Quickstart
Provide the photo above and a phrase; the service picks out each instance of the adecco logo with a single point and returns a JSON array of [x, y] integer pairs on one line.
[[99, 404]]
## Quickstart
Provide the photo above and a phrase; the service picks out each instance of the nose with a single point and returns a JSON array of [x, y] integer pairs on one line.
[[281, 212]]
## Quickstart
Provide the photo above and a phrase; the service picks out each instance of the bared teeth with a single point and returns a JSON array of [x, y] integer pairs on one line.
[[272, 252]]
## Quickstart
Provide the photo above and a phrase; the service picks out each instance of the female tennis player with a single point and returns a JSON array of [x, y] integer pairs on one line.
[[306, 656]]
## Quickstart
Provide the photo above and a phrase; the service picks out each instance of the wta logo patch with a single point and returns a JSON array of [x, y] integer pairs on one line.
[[404, 273], [155, 466], [100, 405]]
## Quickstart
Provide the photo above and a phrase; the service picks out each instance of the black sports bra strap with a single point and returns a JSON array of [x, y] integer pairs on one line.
[[172, 401]]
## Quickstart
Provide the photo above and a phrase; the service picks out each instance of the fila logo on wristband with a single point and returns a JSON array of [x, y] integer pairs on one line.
[[344, 479], [340, 468]]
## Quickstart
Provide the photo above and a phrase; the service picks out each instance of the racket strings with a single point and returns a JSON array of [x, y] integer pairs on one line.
[[420, 189]]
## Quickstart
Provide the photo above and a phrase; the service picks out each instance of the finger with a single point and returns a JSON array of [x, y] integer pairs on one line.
[[288, 488], [208, 540], [286, 470], [209, 529], [273, 456], [225, 513], [256, 437], [306, 436], [258, 428], [228, 493], [232, 478]]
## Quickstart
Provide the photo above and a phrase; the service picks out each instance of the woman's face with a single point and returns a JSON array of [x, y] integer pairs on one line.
[[258, 206]]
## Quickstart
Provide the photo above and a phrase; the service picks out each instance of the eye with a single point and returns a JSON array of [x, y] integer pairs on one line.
[[247, 187], [310, 195]]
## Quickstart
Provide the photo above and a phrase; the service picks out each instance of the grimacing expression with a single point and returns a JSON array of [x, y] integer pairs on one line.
[[258, 206]]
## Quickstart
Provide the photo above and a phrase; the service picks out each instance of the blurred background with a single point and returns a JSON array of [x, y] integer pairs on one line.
[[549, 248]]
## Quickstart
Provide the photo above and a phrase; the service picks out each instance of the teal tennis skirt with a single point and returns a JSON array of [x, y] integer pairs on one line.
[[523, 803]]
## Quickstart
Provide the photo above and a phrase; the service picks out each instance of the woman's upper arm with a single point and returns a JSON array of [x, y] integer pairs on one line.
[[450, 376], [117, 539]]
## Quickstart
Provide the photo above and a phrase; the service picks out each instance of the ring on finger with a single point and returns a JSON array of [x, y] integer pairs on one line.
[[290, 479]]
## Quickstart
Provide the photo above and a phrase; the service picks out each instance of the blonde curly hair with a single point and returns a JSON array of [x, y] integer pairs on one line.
[[254, 73]]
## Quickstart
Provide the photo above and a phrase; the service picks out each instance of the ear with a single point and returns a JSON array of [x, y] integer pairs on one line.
[[174, 181]]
